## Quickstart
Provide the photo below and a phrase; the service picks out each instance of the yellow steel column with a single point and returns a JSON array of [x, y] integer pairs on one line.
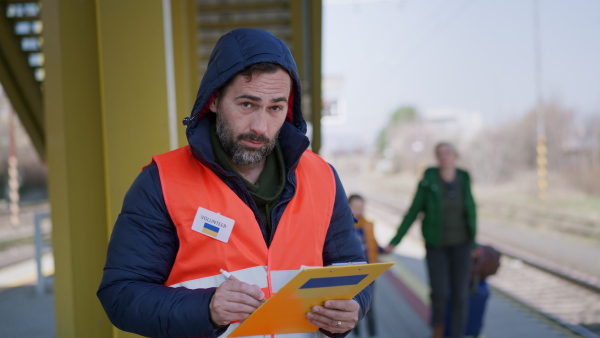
[[106, 111], [315, 76], [306, 29], [75, 152], [134, 91], [296, 23], [185, 45]]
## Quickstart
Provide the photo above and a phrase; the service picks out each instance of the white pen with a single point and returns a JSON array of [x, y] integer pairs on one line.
[[227, 275]]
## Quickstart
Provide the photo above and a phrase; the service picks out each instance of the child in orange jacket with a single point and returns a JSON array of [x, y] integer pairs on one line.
[[364, 231]]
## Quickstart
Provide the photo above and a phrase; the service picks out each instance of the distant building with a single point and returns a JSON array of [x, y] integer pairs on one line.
[[409, 143], [452, 125], [334, 105]]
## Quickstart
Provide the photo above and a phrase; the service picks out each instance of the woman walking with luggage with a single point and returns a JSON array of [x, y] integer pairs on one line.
[[449, 227]]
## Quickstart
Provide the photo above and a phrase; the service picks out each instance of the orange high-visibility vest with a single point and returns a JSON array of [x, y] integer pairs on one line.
[[298, 241]]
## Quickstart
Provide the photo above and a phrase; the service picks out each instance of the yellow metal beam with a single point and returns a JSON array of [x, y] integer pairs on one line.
[[250, 6], [20, 86], [282, 35], [315, 69], [233, 24], [134, 91], [185, 42], [106, 112], [76, 166], [296, 20], [306, 29]]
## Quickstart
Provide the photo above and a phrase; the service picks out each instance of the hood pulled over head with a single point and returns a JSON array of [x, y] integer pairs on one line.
[[236, 51]]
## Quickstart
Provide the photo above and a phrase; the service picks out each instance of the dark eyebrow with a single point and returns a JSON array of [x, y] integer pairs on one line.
[[279, 99], [258, 99], [249, 97]]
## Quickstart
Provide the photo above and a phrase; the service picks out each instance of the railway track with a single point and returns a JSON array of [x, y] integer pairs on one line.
[[550, 219], [561, 299], [569, 300]]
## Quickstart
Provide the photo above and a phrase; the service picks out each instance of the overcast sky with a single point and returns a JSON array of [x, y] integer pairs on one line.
[[472, 55]]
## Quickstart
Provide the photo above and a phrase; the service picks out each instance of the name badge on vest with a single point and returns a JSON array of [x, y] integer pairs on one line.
[[213, 225]]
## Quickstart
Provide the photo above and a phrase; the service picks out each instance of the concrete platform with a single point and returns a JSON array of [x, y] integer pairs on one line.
[[24, 313], [401, 302]]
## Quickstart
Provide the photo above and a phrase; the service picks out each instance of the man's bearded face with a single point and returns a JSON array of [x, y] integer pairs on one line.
[[239, 153]]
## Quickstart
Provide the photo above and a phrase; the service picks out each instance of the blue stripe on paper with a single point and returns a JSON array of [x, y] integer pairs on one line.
[[326, 282]]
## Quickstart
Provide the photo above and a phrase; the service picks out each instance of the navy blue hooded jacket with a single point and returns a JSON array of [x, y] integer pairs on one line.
[[144, 242]]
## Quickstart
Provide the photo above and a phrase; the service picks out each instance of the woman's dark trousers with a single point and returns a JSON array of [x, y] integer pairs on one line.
[[449, 272]]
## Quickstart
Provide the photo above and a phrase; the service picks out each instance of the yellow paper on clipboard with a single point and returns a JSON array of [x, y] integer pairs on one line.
[[285, 312]]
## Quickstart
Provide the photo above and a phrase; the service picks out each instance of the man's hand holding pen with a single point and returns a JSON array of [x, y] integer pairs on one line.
[[234, 300]]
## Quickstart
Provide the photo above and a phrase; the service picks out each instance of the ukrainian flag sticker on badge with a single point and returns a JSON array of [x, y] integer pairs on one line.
[[213, 225], [210, 230]]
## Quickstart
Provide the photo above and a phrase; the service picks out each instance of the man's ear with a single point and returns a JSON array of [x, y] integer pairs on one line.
[[214, 103]]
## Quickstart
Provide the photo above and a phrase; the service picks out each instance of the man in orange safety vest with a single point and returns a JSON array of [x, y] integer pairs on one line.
[[245, 196]]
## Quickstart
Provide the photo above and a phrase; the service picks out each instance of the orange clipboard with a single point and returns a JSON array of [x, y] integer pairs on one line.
[[285, 312]]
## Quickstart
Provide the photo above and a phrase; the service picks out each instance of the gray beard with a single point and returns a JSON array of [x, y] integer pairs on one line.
[[239, 154]]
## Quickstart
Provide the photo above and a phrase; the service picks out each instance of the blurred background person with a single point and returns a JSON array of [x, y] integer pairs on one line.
[[364, 231], [449, 227]]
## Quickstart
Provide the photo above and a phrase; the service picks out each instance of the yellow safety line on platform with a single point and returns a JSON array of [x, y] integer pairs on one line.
[[15, 278], [408, 278]]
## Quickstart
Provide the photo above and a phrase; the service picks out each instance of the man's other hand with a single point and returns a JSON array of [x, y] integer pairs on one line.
[[234, 300], [389, 249], [334, 312]]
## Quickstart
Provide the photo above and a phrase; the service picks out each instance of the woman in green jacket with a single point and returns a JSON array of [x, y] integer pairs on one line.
[[449, 228]]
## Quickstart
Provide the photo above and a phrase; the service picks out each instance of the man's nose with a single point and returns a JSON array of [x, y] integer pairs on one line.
[[259, 122]]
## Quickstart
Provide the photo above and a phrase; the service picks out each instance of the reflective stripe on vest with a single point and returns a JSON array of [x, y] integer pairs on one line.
[[298, 241]]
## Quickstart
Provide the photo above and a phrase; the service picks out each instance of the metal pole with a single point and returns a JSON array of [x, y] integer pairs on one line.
[[541, 150], [13, 173], [315, 22], [39, 251]]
